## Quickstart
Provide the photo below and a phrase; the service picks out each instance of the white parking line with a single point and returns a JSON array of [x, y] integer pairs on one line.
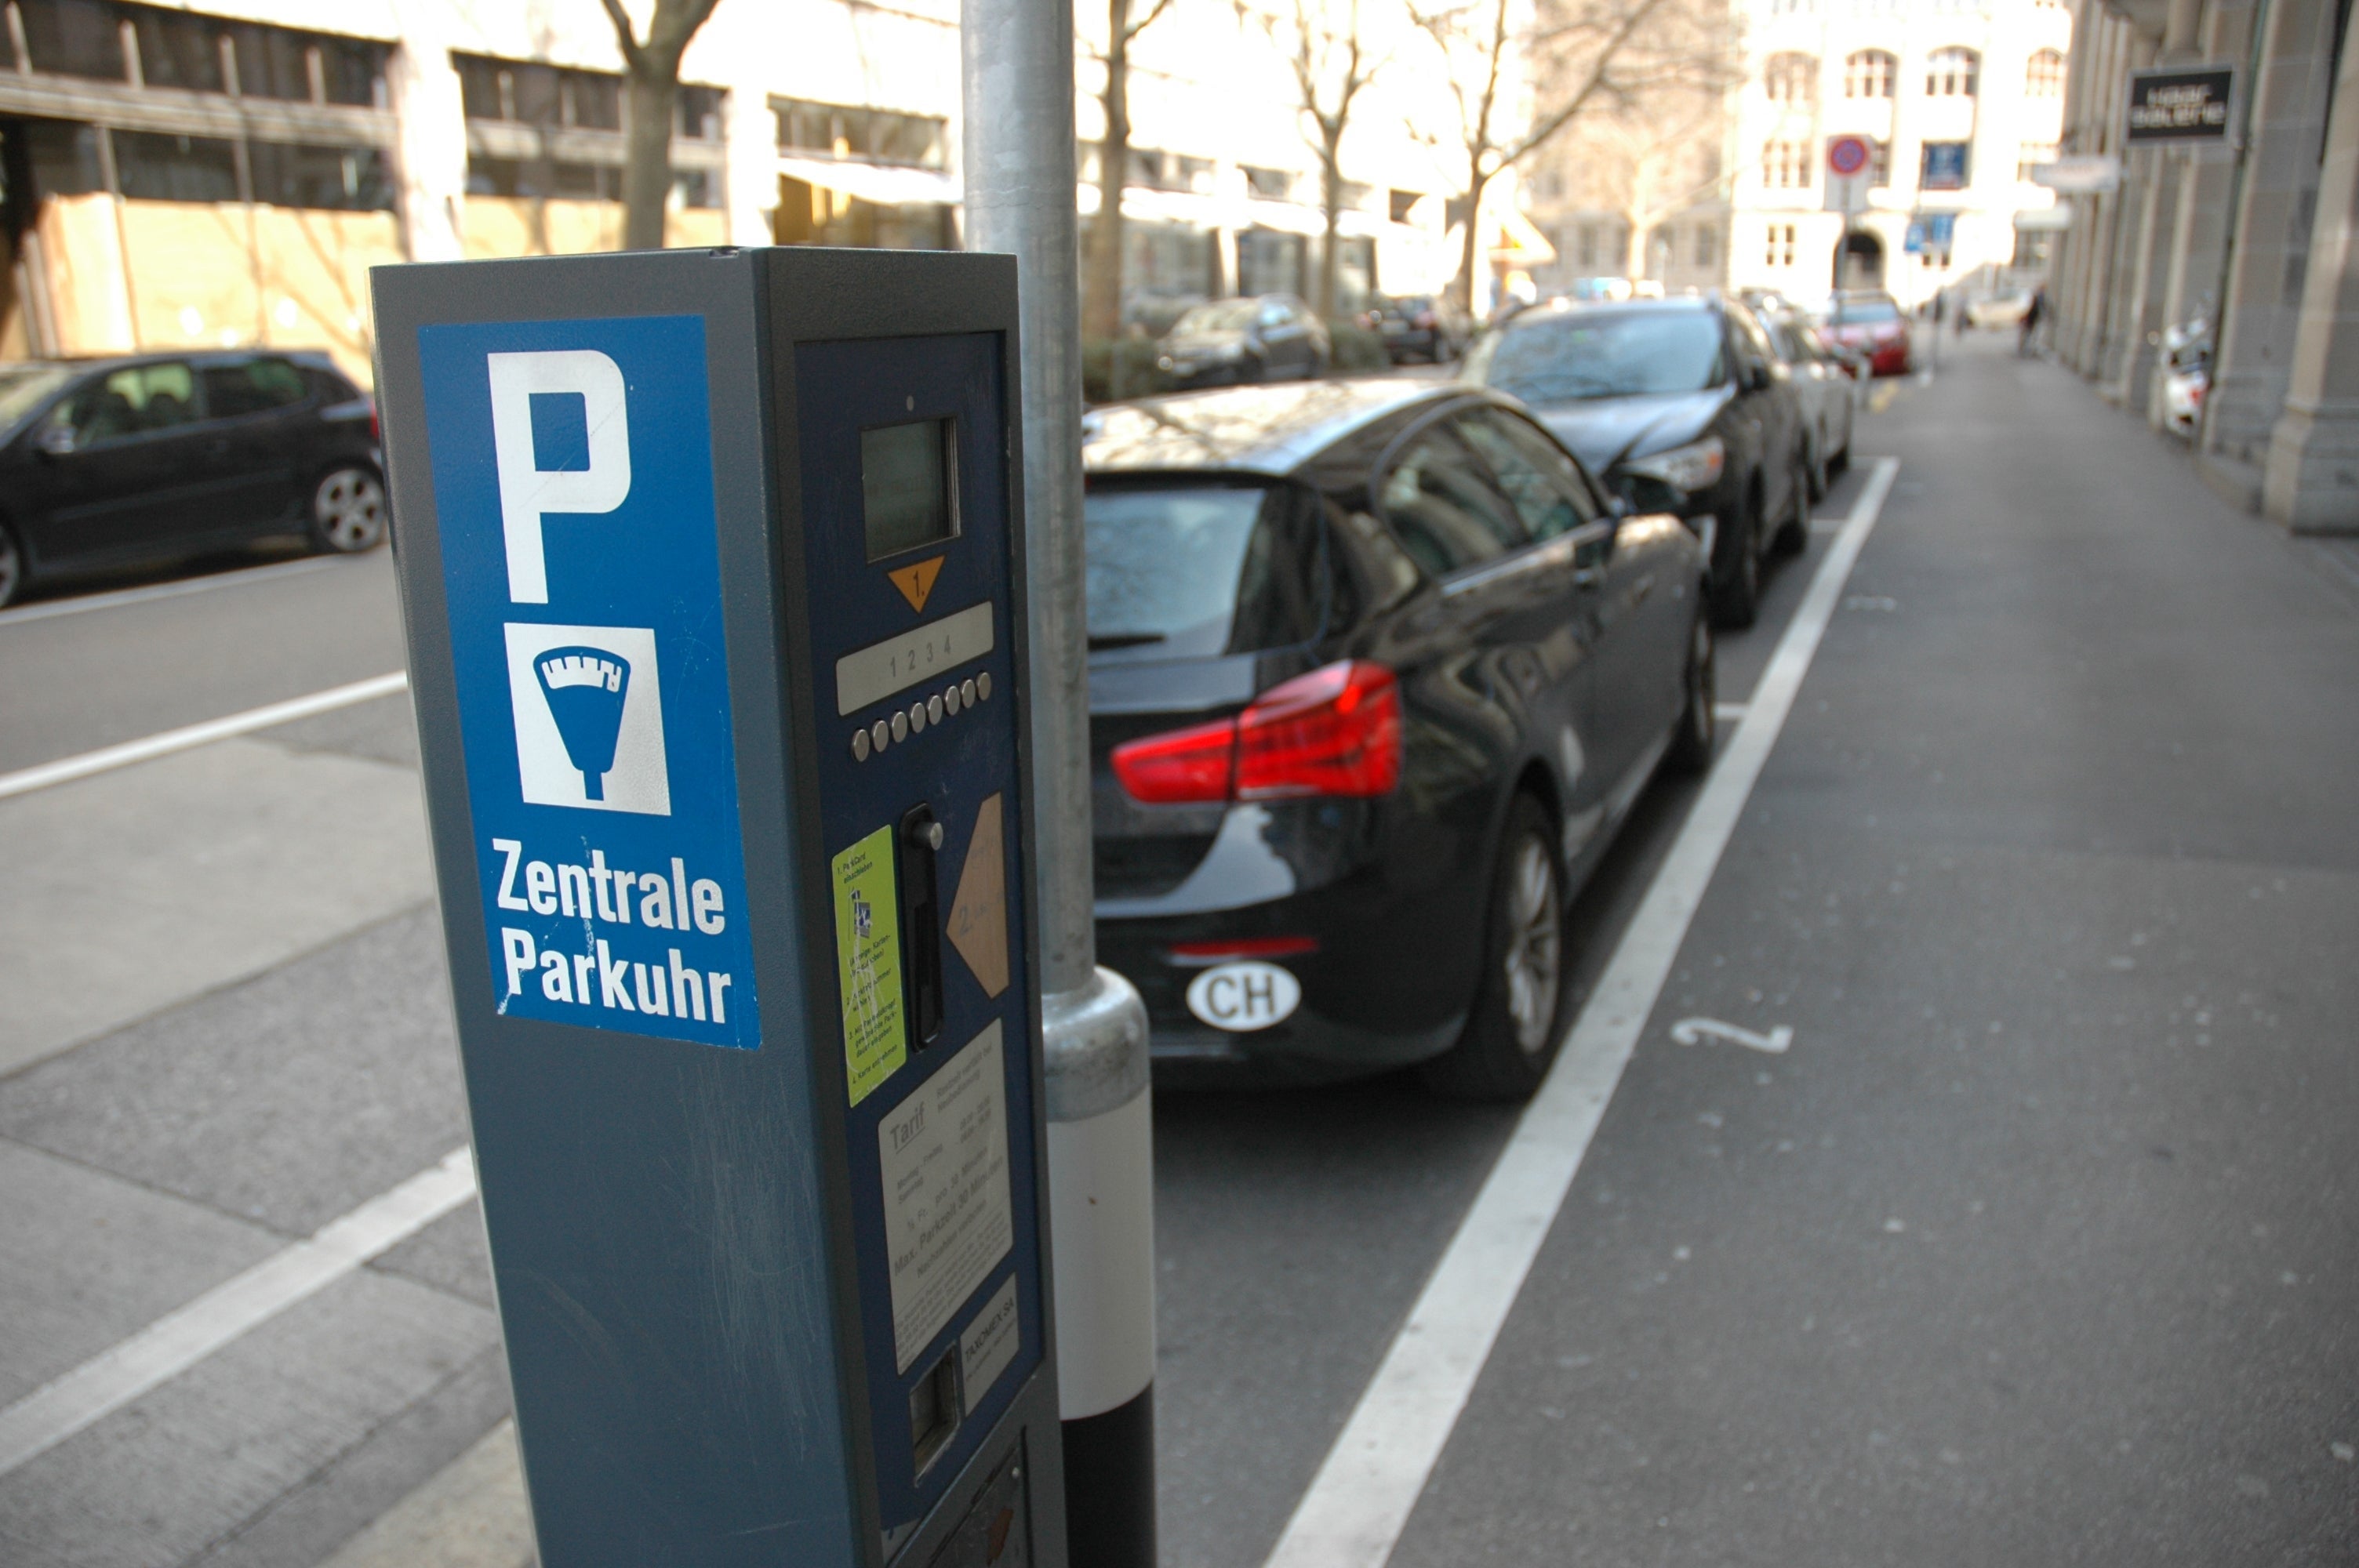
[[50, 608], [1354, 1510], [177, 1341], [67, 769]]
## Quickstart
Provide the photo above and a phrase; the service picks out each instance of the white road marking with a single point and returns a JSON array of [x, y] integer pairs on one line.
[[67, 769], [50, 608], [1696, 1031], [1728, 712], [178, 1340], [1358, 1505]]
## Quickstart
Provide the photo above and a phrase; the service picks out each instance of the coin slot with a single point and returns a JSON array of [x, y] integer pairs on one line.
[[921, 926]]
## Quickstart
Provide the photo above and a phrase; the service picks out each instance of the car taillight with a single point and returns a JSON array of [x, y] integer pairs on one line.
[[1227, 948], [374, 434], [1335, 731]]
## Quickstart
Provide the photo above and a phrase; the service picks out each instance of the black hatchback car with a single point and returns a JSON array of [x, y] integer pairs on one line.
[[1375, 670], [1682, 405], [154, 458]]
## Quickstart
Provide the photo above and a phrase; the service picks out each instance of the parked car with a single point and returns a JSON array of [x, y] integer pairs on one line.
[[1677, 405], [1823, 382], [1998, 309], [1871, 324], [1376, 671], [155, 458], [1429, 326], [1267, 338]]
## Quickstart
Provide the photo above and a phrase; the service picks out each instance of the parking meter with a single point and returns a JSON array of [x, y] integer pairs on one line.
[[711, 570]]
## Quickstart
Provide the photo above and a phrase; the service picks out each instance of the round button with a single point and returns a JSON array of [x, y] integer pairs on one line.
[[860, 745], [878, 735], [966, 692], [982, 685], [916, 716], [933, 710], [950, 701], [900, 726]]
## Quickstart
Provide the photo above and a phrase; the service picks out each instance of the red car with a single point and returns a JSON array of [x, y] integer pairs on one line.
[[1869, 327]]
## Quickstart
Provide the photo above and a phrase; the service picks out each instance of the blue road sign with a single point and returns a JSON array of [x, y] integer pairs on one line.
[[574, 475]]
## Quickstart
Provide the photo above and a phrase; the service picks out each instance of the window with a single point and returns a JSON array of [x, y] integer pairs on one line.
[[700, 114], [522, 93], [1950, 73], [2044, 75], [1184, 572], [541, 178], [2031, 155], [348, 179], [1401, 201], [879, 136], [73, 38], [152, 168], [1444, 510], [1269, 184], [1879, 165], [1791, 79], [1540, 481], [1869, 74], [1707, 245], [1585, 244], [1785, 166], [64, 157], [1781, 245], [257, 387], [1170, 172], [177, 50], [135, 402]]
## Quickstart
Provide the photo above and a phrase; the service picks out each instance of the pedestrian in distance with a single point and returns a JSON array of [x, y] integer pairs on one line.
[[2030, 324]]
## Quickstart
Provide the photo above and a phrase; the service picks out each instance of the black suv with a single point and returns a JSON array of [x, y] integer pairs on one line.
[[155, 458], [1680, 405]]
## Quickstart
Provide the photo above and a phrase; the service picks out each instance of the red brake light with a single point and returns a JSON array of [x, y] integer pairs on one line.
[[1335, 731], [374, 434]]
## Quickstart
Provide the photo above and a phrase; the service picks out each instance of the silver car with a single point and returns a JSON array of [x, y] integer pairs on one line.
[[1827, 392]]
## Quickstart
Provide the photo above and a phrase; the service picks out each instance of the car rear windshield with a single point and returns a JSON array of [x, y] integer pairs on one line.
[[1566, 359], [1851, 310], [1197, 571], [24, 387], [1229, 316]]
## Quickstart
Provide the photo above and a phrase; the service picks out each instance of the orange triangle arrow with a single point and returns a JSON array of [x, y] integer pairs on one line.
[[916, 583]]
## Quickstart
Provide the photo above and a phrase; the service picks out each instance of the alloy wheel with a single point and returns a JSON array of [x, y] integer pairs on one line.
[[349, 510], [1534, 957]]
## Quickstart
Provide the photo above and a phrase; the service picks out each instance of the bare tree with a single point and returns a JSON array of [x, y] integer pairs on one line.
[[1102, 277], [1326, 47], [652, 67], [1581, 54]]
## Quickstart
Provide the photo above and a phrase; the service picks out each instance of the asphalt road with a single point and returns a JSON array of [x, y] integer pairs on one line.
[[2033, 1247]]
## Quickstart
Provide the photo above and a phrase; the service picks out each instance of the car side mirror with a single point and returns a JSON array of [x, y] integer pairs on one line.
[[57, 440], [1757, 376]]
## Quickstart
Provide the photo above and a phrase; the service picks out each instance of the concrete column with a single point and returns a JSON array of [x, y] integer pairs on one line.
[[2260, 310], [432, 130], [750, 180], [2312, 480]]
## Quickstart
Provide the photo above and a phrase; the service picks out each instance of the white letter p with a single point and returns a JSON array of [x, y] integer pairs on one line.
[[527, 491]]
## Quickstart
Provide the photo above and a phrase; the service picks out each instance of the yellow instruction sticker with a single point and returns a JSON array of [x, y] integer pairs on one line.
[[869, 963]]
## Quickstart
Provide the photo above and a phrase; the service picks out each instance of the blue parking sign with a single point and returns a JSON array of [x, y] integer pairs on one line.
[[572, 466]]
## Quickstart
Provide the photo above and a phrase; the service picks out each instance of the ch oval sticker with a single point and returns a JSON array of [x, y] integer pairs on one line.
[[1244, 996]]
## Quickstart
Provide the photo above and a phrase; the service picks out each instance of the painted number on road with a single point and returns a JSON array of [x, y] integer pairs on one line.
[[1243, 996]]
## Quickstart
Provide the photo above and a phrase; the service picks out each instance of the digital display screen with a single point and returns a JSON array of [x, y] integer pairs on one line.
[[908, 485]]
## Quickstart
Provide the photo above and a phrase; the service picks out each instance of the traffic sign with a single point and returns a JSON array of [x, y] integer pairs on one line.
[[1848, 156]]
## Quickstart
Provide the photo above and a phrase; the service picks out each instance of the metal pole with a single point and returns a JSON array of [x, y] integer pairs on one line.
[[1019, 130]]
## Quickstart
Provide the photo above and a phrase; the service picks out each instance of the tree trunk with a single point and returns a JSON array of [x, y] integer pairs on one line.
[[1330, 181], [1101, 282], [1633, 247], [646, 171], [1470, 250]]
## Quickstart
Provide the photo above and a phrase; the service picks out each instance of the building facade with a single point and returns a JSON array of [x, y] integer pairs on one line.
[[2250, 235], [1957, 101], [225, 176]]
